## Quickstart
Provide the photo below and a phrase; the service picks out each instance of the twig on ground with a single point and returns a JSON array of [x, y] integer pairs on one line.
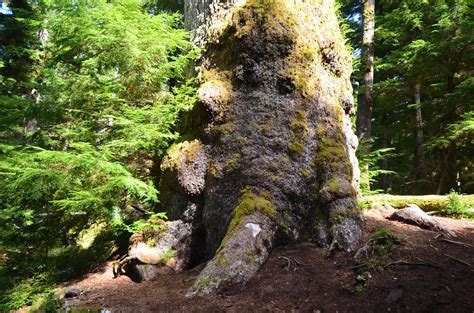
[[458, 243], [458, 260], [290, 262], [358, 266], [364, 249], [368, 266], [402, 262]]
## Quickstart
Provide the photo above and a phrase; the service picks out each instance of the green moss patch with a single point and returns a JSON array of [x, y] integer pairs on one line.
[[426, 203], [186, 149], [299, 132], [248, 203]]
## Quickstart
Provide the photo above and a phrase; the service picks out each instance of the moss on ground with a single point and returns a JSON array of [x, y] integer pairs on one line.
[[426, 203]]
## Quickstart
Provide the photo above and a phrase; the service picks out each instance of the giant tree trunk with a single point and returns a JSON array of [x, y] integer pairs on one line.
[[267, 153], [365, 99]]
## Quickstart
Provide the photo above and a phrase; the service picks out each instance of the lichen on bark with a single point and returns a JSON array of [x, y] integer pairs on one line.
[[280, 151]]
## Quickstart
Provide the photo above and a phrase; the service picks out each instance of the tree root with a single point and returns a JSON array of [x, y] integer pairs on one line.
[[458, 260], [241, 255], [366, 249], [291, 263], [466, 245], [119, 266], [402, 262]]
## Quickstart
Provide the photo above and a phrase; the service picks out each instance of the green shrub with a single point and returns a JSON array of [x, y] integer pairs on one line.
[[384, 241], [456, 207], [370, 160]]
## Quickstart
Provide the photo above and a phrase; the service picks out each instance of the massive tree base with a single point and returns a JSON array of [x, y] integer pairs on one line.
[[267, 154]]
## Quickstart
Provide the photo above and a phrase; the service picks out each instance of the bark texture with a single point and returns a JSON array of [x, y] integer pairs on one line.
[[268, 152]]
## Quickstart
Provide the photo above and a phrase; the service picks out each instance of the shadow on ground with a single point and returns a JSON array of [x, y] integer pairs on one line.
[[423, 273]]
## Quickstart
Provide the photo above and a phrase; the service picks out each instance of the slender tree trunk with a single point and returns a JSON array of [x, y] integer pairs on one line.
[[450, 172], [365, 98], [450, 176], [268, 151], [419, 152], [384, 181]]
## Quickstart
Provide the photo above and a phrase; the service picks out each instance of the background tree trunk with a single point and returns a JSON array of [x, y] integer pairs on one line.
[[419, 152], [365, 99], [449, 169], [268, 152], [385, 178]]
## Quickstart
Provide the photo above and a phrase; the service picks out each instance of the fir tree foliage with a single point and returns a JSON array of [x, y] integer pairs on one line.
[[90, 92], [428, 44]]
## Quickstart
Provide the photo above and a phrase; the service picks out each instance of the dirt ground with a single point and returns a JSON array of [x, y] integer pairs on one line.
[[424, 273]]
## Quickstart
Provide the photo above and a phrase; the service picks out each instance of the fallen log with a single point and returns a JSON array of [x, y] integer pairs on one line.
[[413, 215]]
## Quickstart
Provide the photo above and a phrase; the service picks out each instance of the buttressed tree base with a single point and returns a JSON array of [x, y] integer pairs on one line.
[[267, 154]]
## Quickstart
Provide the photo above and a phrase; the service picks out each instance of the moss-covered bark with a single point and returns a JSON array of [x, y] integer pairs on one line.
[[275, 84]]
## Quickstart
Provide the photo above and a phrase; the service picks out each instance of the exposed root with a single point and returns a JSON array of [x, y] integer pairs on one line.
[[291, 263], [365, 250], [402, 262], [458, 260], [466, 245], [241, 255], [346, 224], [119, 266]]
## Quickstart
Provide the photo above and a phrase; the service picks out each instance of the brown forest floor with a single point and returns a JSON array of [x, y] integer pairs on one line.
[[439, 278]]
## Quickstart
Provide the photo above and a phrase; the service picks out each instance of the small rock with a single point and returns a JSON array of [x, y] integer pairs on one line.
[[395, 295], [72, 292]]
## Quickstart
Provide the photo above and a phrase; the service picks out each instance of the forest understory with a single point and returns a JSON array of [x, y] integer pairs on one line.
[[415, 271]]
